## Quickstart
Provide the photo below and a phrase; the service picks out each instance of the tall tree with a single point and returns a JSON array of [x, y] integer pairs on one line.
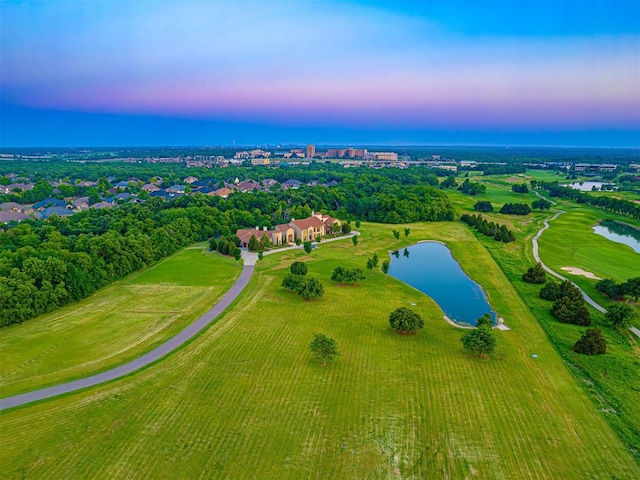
[[324, 348]]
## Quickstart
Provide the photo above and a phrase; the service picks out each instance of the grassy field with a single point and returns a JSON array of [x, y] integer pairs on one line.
[[246, 400], [115, 325]]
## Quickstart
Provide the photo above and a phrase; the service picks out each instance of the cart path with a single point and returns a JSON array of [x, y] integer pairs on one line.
[[587, 298], [148, 358]]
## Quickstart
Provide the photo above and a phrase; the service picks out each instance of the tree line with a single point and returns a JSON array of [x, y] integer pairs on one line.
[[499, 232], [616, 205]]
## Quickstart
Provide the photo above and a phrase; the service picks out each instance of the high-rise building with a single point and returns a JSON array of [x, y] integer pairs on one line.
[[311, 151]]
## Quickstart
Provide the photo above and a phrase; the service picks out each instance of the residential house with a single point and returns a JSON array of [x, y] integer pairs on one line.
[[49, 202], [308, 229], [59, 211], [248, 186], [190, 179], [175, 189], [7, 216], [274, 236], [291, 183], [101, 205], [150, 187], [81, 203], [11, 207], [223, 192], [269, 183], [288, 233]]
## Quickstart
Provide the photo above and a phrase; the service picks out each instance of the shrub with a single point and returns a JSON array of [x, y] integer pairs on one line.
[[298, 268], [483, 206], [591, 343], [292, 282], [535, 274]]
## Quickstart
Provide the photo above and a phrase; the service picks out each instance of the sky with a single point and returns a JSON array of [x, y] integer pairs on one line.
[[156, 72]]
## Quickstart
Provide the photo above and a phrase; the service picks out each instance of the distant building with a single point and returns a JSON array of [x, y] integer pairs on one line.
[[377, 156], [311, 151], [595, 167]]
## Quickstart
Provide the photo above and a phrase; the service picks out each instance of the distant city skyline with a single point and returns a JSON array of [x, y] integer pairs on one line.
[[555, 73]]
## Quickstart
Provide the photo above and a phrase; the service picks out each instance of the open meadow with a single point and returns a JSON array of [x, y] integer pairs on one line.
[[118, 323], [246, 400]]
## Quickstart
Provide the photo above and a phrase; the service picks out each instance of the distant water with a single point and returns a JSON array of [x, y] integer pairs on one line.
[[430, 268], [617, 232], [586, 186]]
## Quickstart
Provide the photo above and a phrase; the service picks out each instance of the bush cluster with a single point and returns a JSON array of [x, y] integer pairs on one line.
[[568, 306], [499, 232]]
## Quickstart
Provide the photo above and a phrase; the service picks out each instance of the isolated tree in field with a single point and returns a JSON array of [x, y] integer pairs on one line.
[[347, 275], [346, 228], [385, 266], [310, 289], [405, 320], [396, 234], [483, 206], [260, 255], [307, 247], [591, 343], [253, 244], [213, 244], [357, 223], [480, 341], [324, 348], [237, 254], [375, 260], [407, 231], [354, 240], [535, 274], [619, 315], [298, 268]]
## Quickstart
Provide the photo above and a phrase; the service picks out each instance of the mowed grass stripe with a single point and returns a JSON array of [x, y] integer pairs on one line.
[[115, 325], [245, 400]]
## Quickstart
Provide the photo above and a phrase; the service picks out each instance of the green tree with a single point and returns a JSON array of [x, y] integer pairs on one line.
[[346, 228], [307, 247], [480, 341], [407, 231], [541, 204], [591, 343], [619, 315], [213, 244], [298, 268], [237, 254], [357, 223], [535, 274], [254, 245], [405, 320], [318, 239], [354, 240], [260, 255], [310, 289], [375, 260], [632, 287], [396, 234], [298, 242], [292, 282], [324, 348], [346, 275], [385, 266], [265, 242], [484, 321]]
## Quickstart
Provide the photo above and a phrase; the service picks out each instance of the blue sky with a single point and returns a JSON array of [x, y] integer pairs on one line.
[[388, 72]]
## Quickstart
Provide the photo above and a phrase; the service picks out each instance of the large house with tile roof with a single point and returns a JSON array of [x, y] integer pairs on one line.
[[306, 230]]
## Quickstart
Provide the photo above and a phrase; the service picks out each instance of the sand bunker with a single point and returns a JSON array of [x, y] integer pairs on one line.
[[579, 271]]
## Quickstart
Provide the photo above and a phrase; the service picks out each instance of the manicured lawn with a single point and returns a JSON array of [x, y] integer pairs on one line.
[[115, 325], [246, 400]]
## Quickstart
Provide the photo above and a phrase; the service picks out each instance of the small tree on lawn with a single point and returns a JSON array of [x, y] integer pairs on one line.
[[265, 242], [405, 320], [370, 265], [310, 289], [375, 260], [619, 315], [396, 234], [480, 341], [535, 274], [346, 228], [407, 231], [385, 266], [253, 244], [324, 348], [213, 244], [298, 268], [357, 223], [292, 282], [237, 255], [260, 255], [307, 247], [354, 240], [591, 343], [298, 241], [318, 239]]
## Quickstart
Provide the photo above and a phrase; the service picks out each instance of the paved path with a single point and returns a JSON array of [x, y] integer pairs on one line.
[[169, 346], [586, 297], [146, 359]]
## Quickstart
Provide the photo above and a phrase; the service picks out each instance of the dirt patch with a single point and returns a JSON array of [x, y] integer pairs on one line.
[[579, 271]]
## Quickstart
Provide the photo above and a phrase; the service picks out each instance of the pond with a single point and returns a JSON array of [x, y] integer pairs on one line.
[[589, 186], [430, 268], [619, 232]]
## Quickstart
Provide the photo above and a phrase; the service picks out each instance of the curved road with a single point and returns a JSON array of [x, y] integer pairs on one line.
[[146, 359]]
